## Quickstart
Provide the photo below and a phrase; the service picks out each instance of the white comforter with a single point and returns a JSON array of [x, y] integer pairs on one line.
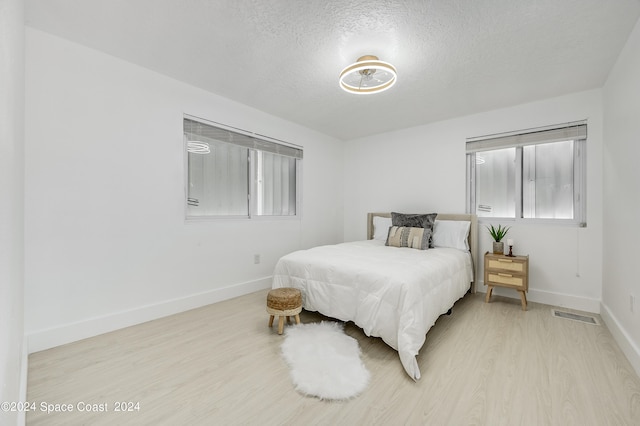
[[393, 293]]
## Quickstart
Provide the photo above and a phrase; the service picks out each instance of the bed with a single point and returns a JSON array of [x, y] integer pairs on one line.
[[395, 293]]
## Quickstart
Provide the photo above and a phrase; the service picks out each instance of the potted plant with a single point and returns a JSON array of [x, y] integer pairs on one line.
[[498, 234]]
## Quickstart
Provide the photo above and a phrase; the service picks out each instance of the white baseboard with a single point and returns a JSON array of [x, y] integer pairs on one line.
[[578, 303], [561, 300], [67, 333], [626, 343]]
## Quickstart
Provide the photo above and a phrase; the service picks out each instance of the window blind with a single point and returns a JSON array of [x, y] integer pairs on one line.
[[569, 131], [196, 130]]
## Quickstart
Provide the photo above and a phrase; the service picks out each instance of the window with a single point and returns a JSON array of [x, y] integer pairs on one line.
[[232, 173], [538, 174]]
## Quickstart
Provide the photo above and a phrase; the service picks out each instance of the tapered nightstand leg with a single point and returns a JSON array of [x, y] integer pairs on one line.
[[523, 299], [489, 290]]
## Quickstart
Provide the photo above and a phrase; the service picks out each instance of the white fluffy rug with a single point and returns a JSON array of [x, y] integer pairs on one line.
[[324, 361]]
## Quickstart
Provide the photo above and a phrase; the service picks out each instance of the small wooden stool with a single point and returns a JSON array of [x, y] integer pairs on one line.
[[284, 302]]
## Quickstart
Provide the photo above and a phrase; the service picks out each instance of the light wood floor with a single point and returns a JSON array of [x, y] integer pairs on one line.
[[486, 364]]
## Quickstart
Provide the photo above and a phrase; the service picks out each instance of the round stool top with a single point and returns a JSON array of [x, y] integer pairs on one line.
[[284, 298]]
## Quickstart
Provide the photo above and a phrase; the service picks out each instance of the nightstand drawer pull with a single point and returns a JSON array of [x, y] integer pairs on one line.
[[505, 260], [505, 275]]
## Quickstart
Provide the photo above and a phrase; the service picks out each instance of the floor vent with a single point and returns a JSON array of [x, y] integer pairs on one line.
[[575, 317]]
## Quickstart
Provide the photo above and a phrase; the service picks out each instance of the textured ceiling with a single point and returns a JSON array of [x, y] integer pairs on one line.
[[454, 57]]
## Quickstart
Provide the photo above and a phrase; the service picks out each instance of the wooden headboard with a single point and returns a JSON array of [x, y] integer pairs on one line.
[[473, 233]]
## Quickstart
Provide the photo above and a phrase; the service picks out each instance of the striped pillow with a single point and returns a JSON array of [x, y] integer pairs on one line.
[[401, 236]]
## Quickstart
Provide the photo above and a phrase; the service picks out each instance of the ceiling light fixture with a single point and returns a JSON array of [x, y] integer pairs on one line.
[[368, 75]]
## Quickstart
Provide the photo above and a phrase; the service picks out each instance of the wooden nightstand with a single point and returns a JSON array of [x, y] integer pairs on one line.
[[505, 271]]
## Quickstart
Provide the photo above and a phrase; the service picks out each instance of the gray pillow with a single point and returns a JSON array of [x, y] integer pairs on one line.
[[415, 221]]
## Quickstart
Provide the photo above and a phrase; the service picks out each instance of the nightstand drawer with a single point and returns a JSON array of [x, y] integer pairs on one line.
[[506, 264], [508, 279]]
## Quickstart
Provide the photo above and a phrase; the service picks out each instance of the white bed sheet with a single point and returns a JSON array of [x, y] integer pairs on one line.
[[393, 293]]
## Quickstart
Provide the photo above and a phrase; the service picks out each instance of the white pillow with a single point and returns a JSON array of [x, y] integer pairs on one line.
[[381, 227], [451, 233]]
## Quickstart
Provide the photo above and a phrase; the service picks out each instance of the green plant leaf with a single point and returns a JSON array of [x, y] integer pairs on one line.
[[498, 233]]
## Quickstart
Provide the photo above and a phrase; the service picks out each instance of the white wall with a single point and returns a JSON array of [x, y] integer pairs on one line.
[[422, 169], [106, 241], [12, 359], [622, 198]]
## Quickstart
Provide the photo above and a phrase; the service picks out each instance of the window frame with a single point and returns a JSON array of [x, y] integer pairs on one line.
[[515, 140], [252, 186]]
